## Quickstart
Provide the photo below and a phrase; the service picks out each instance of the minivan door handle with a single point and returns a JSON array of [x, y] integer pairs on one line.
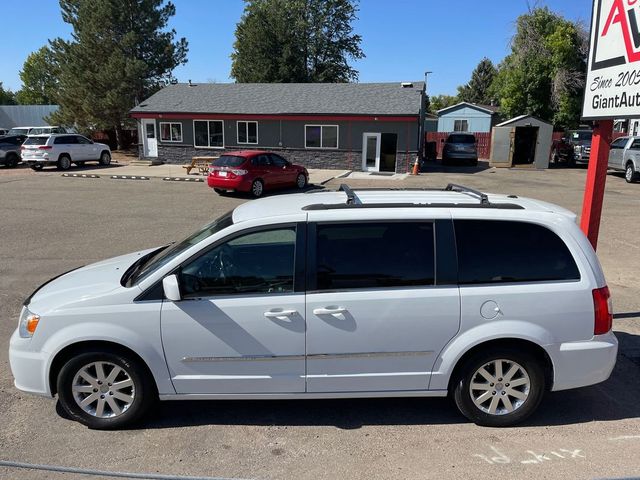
[[329, 310], [280, 313]]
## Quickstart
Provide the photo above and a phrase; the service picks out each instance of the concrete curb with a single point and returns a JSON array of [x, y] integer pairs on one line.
[[80, 175]]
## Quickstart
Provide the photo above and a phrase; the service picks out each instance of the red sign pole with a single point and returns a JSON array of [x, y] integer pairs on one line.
[[596, 178]]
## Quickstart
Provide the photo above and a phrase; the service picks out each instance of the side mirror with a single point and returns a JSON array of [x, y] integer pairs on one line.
[[171, 288]]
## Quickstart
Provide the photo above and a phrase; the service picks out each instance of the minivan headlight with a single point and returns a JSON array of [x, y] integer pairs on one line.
[[28, 323]]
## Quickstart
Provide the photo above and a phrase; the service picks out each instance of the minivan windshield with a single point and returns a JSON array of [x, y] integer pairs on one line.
[[228, 161], [148, 264]]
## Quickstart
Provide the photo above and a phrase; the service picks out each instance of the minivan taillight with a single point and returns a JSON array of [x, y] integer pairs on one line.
[[603, 310]]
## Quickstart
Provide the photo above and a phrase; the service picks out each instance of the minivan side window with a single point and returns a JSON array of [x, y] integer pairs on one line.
[[497, 251], [258, 262], [374, 255]]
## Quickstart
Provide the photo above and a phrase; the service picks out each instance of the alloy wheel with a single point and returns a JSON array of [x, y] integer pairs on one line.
[[500, 387], [103, 389], [302, 181], [257, 188], [628, 174]]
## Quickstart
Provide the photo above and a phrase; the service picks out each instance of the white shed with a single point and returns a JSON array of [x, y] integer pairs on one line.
[[523, 141]]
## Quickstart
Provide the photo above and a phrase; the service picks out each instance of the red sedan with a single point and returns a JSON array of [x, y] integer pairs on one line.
[[254, 171]]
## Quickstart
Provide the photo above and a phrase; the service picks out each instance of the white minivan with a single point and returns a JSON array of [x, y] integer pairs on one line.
[[492, 299]]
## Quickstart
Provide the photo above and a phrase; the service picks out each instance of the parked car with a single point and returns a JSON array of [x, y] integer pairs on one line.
[[254, 171], [20, 131], [4, 131], [460, 146], [624, 156], [47, 130], [574, 148], [61, 150], [336, 294], [10, 150]]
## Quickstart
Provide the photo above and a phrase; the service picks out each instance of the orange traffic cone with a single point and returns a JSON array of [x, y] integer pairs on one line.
[[416, 167]]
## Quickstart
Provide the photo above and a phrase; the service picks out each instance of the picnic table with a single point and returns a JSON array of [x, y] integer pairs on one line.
[[200, 163]]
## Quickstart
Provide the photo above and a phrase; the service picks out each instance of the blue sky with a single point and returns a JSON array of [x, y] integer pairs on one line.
[[401, 38]]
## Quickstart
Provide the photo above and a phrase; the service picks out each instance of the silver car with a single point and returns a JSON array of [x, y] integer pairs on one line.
[[460, 146]]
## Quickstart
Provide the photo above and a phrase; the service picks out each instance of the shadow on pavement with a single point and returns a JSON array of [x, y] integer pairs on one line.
[[431, 166], [615, 399]]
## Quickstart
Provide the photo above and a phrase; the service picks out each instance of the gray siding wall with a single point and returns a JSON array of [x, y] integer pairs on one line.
[[287, 137]]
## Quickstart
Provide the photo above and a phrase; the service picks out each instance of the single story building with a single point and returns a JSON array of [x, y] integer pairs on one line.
[[467, 117], [355, 126]]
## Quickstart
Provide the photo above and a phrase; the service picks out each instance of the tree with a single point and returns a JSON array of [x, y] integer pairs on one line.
[[120, 53], [478, 90], [438, 102], [296, 41], [7, 97], [39, 79], [545, 72]]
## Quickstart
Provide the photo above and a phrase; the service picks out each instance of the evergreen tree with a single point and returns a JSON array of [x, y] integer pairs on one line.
[[296, 41], [438, 102], [478, 90], [39, 79], [120, 53], [7, 97]]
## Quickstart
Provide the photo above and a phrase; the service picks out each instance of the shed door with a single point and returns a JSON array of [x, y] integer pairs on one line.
[[502, 146]]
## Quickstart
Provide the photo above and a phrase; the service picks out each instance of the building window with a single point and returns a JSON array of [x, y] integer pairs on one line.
[[247, 132], [460, 126], [208, 133], [170, 132], [321, 136]]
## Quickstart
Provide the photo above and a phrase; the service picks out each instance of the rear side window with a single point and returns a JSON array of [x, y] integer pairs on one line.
[[372, 255], [228, 161], [502, 251], [36, 141]]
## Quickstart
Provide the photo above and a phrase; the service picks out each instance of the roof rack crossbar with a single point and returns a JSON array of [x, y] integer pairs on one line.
[[352, 198], [454, 187]]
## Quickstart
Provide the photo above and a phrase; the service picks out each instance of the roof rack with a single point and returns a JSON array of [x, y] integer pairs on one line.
[[352, 198], [353, 201], [454, 187]]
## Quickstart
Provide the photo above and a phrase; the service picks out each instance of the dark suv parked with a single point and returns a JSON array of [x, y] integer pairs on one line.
[[10, 149]]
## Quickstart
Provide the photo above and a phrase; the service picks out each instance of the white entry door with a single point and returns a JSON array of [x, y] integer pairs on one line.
[[149, 139], [371, 152]]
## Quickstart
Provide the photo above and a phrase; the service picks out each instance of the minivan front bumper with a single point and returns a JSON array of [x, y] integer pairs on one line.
[[28, 367], [579, 364]]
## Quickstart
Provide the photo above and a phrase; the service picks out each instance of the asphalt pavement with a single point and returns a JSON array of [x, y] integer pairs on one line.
[[50, 224]]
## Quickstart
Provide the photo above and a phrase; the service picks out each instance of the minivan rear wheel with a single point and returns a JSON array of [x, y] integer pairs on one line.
[[104, 390], [499, 388]]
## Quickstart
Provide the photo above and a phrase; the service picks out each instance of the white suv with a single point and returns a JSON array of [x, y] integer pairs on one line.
[[61, 150], [370, 293]]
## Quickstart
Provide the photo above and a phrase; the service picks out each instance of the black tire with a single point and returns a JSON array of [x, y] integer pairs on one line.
[[257, 188], [461, 387], [630, 174], [571, 161], [144, 391], [105, 159], [474, 163], [301, 181], [11, 160], [64, 162], [37, 167], [445, 160]]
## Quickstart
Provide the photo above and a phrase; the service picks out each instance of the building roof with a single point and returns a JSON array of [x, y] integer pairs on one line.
[[483, 108], [286, 99], [25, 115], [519, 118]]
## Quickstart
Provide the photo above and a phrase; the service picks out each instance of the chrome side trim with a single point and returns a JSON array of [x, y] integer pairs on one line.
[[315, 356]]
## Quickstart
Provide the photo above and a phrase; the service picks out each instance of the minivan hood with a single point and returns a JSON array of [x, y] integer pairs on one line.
[[82, 285]]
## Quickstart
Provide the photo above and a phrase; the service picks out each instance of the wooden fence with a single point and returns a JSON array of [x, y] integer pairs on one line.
[[483, 142]]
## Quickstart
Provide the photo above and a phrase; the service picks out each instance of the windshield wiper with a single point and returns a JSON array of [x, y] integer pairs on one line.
[[137, 266]]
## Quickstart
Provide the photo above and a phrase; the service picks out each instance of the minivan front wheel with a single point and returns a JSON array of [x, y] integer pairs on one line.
[[499, 388], [104, 390]]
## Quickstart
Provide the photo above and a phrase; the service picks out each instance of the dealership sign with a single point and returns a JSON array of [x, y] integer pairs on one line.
[[613, 76]]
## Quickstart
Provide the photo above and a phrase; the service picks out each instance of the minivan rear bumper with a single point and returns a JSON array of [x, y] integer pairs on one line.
[[579, 364]]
